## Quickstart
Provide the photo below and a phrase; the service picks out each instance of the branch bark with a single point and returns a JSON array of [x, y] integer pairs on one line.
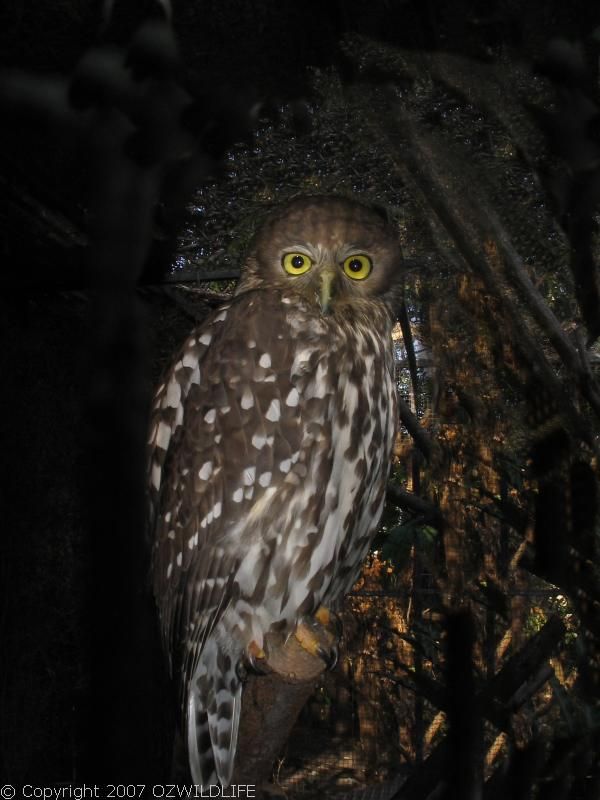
[[412, 425], [271, 703], [413, 502]]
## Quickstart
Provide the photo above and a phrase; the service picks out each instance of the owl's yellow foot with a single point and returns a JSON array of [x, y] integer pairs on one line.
[[319, 635]]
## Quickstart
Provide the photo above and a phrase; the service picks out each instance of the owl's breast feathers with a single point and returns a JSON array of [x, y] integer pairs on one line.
[[270, 447]]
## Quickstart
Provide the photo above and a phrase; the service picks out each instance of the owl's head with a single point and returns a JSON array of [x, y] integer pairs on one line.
[[334, 252]]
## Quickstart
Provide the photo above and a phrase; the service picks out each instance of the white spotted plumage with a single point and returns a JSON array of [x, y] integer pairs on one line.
[[269, 453]]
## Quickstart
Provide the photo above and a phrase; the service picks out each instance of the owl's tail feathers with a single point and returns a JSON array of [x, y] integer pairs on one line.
[[214, 708], [200, 752]]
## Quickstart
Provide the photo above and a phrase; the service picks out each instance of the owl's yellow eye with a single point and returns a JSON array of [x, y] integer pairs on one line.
[[357, 267], [296, 263]]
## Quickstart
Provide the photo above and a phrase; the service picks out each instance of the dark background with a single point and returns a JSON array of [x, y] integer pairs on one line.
[[80, 347]]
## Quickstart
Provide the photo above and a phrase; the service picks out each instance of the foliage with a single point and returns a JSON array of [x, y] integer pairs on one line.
[[400, 541]]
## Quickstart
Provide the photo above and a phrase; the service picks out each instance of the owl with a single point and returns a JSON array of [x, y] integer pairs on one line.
[[270, 448]]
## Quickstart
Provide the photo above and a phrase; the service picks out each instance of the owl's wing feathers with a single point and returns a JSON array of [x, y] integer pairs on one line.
[[220, 427]]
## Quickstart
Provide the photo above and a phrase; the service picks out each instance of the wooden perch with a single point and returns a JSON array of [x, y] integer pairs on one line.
[[270, 708], [271, 702], [290, 661]]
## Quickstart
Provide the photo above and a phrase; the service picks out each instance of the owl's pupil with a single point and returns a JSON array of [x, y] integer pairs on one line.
[[355, 265], [297, 262]]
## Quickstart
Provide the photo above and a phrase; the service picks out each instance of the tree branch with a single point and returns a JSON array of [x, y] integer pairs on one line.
[[410, 351], [426, 168], [415, 429], [412, 502]]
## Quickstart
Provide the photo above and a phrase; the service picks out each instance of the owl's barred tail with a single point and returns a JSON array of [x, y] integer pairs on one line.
[[214, 708]]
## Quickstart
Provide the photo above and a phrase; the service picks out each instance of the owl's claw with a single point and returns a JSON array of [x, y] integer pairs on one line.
[[329, 656], [320, 635], [254, 660], [241, 670]]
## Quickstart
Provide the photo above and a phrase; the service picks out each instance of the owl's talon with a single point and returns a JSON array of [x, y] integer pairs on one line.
[[255, 659], [241, 671], [319, 635], [329, 657]]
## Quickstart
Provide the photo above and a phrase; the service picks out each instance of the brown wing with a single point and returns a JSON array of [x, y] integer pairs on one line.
[[220, 424]]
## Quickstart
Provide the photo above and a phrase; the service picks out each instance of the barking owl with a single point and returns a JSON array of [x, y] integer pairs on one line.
[[270, 449]]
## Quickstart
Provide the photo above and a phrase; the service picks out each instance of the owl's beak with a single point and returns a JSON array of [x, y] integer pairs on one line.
[[326, 279]]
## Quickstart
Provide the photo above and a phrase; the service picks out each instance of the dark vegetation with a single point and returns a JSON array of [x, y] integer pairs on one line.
[[135, 160]]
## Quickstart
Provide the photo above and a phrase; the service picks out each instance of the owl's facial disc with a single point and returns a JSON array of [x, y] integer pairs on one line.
[[326, 272]]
